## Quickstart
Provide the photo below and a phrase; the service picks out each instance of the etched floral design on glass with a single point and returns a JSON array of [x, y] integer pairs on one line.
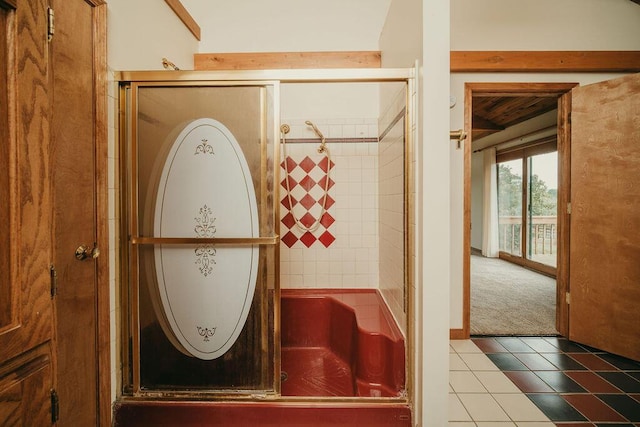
[[204, 148], [206, 333], [205, 228]]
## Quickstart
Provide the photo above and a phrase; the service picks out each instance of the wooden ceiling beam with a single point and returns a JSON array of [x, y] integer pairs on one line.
[[545, 61], [481, 124]]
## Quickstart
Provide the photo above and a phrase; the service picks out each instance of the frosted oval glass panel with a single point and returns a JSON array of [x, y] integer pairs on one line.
[[205, 190]]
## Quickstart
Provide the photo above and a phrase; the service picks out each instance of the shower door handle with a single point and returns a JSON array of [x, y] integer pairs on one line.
[[83, 252]]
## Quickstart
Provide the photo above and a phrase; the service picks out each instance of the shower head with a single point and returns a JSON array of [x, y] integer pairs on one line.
[[315, 129]]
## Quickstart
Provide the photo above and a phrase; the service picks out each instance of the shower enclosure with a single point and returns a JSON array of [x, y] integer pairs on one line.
[[201, 200]]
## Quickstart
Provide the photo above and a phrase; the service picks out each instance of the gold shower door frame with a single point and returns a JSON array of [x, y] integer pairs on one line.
[[129, 79], [132, 240]]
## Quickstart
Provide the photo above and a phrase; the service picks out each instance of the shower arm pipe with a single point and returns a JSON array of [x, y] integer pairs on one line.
[[238, 241]]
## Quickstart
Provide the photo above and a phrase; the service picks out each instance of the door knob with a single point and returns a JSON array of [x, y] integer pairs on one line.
[[83, 252]]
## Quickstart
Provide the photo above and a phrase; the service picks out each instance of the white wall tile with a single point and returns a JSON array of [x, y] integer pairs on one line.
[[349, 131], [354, 192], [335, 131]]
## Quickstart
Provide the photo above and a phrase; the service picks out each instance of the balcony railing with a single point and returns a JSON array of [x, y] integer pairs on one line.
[[542, 241]]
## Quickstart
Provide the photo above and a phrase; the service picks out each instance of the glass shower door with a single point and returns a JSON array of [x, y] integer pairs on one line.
[[202, 238]]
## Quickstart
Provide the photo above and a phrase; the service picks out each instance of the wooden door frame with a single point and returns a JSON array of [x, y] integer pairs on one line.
[[100, 130], [103, 307], [562, 92]]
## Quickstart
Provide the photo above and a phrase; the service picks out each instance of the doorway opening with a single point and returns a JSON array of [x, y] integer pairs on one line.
[[512, 190]]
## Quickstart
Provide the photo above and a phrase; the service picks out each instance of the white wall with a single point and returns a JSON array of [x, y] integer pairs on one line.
[[142, 32], [545, 25], [526, 25], [288, 25], [403, 42], [401, 37]]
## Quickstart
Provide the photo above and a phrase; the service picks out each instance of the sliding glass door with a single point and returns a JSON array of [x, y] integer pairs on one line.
[[527, 205], [542, 211]]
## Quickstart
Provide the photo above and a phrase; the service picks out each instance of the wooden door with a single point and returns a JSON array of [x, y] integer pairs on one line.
[[25, 215], [40, 119], [604, 277], [76, 215]]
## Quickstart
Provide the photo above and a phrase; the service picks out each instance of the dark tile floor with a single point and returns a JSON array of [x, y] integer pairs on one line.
[[574, 385]]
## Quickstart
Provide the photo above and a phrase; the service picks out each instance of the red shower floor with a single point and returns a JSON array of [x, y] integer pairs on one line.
[[315, 371]]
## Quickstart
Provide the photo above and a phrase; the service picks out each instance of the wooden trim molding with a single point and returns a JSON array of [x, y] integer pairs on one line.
[[545, 61], [185, 17], [564, 218], [286, 60], [458, 334], [466, 214], [103, 318], [539, 90]]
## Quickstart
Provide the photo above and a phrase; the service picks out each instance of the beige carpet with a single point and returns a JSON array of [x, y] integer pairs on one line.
[[507, 299]]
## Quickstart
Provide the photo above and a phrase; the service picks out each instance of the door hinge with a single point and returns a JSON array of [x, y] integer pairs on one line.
[[54, 280], [50, 24], [567, 297], [569, 208], [55, 407]]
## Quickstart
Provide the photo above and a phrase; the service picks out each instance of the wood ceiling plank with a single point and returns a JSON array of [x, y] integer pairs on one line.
[[286, 60], [544, 61], [491, 114]]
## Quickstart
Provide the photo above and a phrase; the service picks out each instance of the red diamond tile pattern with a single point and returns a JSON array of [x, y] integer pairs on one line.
[[326, 239], [308, 201], [307, 179], [289, 239], [288, 221], [308, 239]]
